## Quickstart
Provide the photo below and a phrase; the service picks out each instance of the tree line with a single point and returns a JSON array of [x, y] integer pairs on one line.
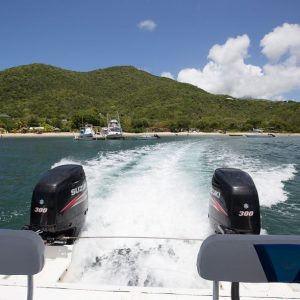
[[143, 124]]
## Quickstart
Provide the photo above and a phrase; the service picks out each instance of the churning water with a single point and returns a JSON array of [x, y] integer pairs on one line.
[[157, 189]]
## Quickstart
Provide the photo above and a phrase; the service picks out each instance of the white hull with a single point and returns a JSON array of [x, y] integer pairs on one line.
[[114, 136], [93, 292], [113, 130], [83, 138]]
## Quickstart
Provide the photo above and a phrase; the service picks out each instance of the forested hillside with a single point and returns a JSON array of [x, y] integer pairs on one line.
[[37, 94]]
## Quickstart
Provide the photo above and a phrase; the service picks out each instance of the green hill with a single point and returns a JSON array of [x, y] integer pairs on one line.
[[43, 94]]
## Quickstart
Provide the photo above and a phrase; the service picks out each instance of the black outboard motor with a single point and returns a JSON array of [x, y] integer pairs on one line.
[[59, 203], [234, 204], [234, 207]]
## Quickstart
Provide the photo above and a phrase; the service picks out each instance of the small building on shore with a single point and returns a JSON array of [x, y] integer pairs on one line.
[[36, 129], [4, 116]]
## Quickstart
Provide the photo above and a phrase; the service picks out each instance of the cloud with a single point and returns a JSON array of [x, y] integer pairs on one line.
[[233, 50], [281, 41], [227, 73], [149, 25], [167, 75]]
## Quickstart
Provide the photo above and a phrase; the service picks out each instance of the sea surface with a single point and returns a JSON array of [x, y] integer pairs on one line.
[[151, 188]]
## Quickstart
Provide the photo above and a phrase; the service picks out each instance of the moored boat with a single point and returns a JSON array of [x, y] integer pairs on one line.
[[114, 130], [260, 135], [86, 132], [148, 137]]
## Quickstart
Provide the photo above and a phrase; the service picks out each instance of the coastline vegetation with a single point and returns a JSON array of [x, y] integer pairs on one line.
[[42, 95]]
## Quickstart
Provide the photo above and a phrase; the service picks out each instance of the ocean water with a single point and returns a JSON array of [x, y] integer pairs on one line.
[[155, 188]]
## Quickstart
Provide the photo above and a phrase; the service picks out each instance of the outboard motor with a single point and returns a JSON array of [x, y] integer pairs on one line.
[[59, 203], [234, 207], [234, 204]]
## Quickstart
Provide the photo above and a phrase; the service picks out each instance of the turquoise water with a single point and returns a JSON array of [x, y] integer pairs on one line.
[[151, 188]]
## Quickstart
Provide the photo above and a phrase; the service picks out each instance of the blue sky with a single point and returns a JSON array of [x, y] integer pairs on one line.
[[89, 34]]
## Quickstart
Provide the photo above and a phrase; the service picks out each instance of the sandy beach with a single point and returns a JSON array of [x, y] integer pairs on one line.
[[132, 135]]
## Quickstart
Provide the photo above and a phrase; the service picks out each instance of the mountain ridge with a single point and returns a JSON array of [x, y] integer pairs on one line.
[[48, 92]]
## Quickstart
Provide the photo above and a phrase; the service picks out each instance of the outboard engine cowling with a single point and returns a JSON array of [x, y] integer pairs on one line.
[[234, 204], [59, 203]]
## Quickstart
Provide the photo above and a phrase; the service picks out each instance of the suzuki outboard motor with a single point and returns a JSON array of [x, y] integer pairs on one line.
[[234, 207], [234, 204], [59, 203]]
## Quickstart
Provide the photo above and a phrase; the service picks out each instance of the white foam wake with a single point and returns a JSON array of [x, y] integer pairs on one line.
[[141, 192], [159, 190]]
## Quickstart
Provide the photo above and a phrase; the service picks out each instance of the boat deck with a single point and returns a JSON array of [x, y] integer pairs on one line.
[[91, 292], [49, 285]]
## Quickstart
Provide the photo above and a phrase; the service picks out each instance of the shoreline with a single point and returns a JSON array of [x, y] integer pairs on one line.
[[129, 135]]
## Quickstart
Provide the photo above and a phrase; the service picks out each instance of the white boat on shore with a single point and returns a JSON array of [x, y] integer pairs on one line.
[[86, 132], [113, 131]]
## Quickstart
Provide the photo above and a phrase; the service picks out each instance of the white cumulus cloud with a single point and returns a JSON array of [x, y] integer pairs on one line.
[[283, 40], [235, 49], [149, 25], [167, 74], [228, 73]]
